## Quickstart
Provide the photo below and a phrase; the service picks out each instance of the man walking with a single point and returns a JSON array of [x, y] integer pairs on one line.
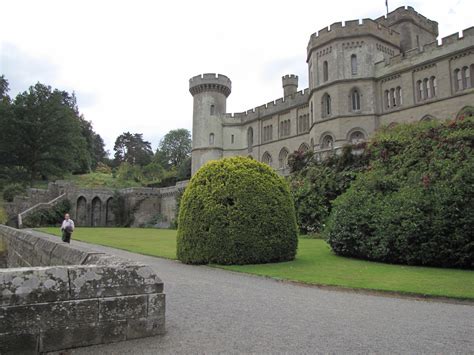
[[67, 228]]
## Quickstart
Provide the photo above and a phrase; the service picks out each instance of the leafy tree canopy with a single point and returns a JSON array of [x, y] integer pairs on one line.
[[131, 148], [174, 148]]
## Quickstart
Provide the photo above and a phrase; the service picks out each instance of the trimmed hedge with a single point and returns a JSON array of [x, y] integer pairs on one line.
[[236, 211], [415, 203]]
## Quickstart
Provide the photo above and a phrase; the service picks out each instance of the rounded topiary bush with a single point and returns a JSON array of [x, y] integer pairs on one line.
[[236, 211], [414, 205]]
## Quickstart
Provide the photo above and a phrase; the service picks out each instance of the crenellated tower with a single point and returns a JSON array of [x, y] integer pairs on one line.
[[290, 84], [210, 92]]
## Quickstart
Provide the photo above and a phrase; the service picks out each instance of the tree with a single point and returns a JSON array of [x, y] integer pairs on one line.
[[42, 136], [131, 148], [95, 146], [174, 148]]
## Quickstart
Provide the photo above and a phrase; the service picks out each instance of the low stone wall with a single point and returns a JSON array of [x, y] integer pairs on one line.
[[69, 296]]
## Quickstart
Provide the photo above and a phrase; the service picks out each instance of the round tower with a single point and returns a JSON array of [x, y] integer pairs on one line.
[[210, 92], [290, 84]]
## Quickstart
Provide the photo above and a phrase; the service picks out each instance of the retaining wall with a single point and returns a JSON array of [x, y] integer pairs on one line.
[[68, 296]]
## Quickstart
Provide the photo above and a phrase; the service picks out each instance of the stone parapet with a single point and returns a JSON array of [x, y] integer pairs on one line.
[[82, 298]]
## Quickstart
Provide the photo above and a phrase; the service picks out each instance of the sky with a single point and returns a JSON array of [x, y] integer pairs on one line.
[[129, 62]]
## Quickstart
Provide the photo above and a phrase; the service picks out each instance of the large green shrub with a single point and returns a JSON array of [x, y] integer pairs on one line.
[[315, 184], [236, 211], [414, 204]]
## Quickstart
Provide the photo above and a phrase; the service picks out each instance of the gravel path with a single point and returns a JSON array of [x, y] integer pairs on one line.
[[215, 311]]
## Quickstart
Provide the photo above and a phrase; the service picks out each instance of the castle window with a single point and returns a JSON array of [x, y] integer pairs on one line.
[[472, 75], [303, 148], [211, 139], [419, 90], [312, 119], [232, 139], [325, 71], [387, 99], [285, 128], [327, 142], [267, 158], [213, 110], [399, 96], [326, 105], [267, 133], [250, 139], [427, 88], [434, 88], [354, 64], [283, 159], [312, 143], [457, 80], [466, 78], [355, 100], [356, 137], [392, 97]]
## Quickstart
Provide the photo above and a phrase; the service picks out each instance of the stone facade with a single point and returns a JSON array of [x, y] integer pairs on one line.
[[362, 75], [57, 296], [92, 207]]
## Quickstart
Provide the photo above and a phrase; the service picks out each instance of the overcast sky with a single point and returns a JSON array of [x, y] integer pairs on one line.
[[129, 62]]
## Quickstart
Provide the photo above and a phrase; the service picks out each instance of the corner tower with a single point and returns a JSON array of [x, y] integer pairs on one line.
[[210, 92]]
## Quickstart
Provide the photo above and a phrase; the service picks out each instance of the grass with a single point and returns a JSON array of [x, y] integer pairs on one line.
[[314, 264], [101, 180]]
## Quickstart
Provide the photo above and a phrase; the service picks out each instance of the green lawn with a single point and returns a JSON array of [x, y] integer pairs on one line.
[[314, 264]]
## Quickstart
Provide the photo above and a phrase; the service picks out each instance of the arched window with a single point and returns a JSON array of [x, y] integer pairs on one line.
[[232, 139], [427, 118], [312, 119], [467, 111], [283, 158], [434, 88], [427, 87], [392, 97], [303, 148], [399, 96], [426, 93], [466, 78], [387, 99], [457, 80], [211, 139], [312, 143], [325, 71], [267, 158], [419, 90], [327, 142], [355, 100], [250, 139], [356, 137], [354, 64], [471, 70], [326, 105], [213, 110]]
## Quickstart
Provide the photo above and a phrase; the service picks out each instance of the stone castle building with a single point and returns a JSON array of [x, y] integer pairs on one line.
[[362, 75]]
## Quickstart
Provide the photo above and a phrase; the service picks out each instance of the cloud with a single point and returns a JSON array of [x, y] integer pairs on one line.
[[23, 70]]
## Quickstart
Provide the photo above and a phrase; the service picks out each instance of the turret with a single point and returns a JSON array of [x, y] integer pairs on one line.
[[290, 84], [210, 92]]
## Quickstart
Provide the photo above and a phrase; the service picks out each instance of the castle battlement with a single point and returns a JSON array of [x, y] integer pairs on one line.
[[432, 49], [353, 28], [408, 13], [210, 82], [279, 105]]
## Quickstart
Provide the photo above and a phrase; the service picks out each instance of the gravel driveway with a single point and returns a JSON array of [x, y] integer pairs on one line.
[[216, 311]]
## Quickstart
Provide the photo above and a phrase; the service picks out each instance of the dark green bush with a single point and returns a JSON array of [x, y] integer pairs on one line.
[[48, 217], [236, 211], [414, 204], [12, 190], [314, 184]]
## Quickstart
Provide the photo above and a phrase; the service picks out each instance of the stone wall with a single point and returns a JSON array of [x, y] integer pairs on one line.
[[70, 296]]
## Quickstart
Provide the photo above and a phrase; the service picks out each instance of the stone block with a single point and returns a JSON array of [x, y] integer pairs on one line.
[[73, 336], [156, 305], [108, 281], [48, 315], [121, 308], [19, 343], [65, 254], [145, 327], [33, 285], [43, 250]]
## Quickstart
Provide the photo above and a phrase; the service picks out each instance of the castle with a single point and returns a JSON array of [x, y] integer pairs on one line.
[[362, 75]]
